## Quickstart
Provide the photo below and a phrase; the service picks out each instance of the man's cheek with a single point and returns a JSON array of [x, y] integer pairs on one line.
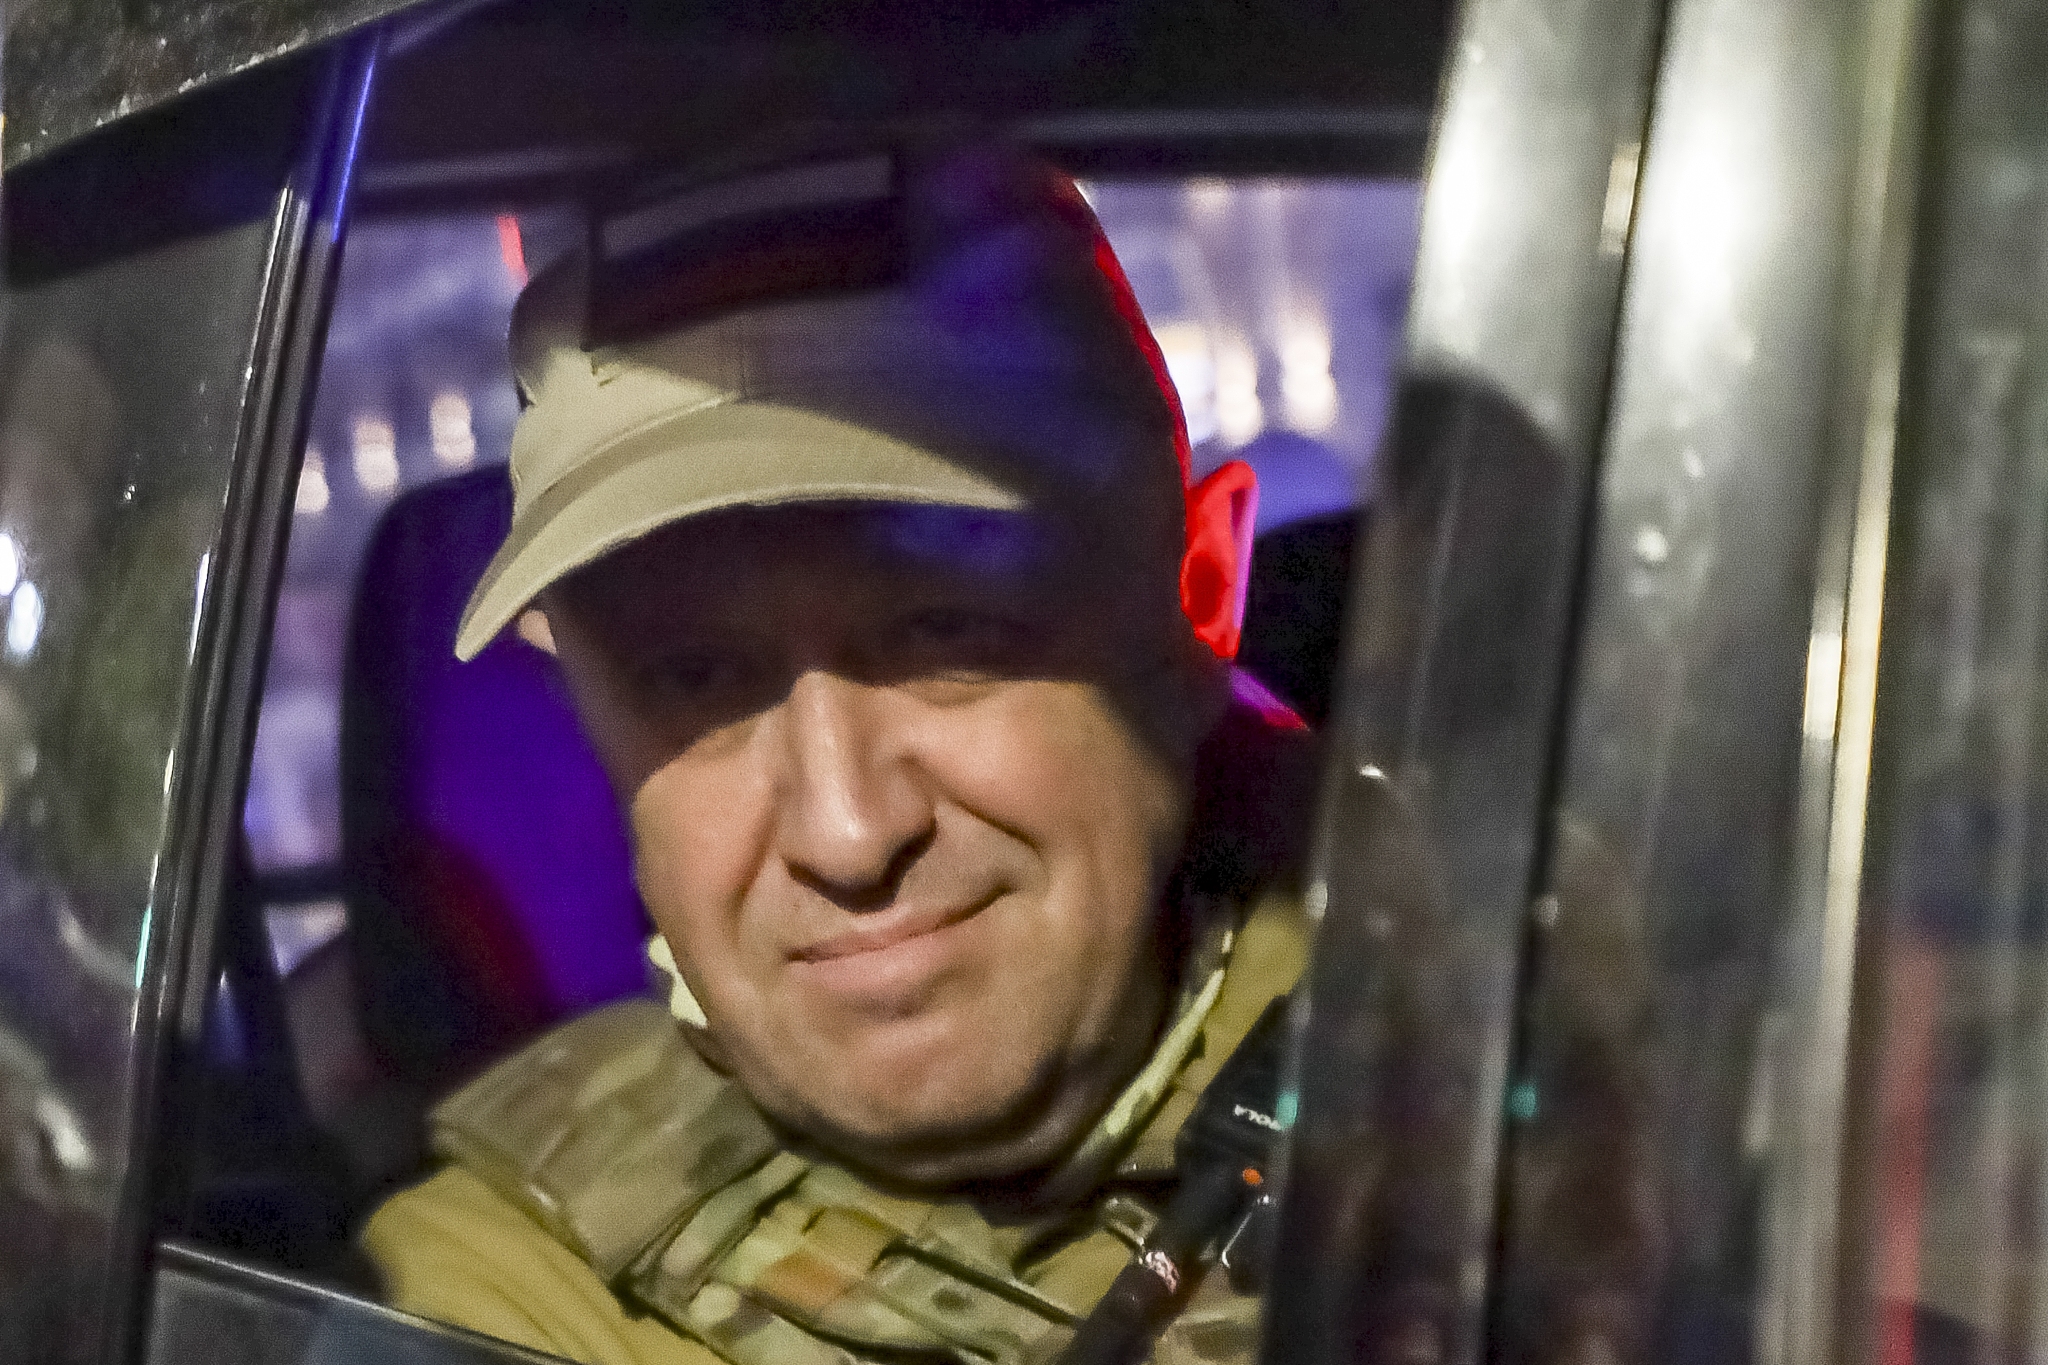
[[1021, 752], [704, 825], [693, 864]]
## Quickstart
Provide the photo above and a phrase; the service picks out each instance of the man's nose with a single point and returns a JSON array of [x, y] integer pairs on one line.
[[852, 814]]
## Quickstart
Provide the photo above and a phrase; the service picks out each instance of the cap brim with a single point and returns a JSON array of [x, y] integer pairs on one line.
[[738, 454]]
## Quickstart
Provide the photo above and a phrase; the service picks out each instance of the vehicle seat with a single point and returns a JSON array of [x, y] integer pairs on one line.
[[488, 879]]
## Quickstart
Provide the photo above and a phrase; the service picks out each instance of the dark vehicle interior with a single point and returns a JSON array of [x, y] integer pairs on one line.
[[414, 895], [1647, 397]]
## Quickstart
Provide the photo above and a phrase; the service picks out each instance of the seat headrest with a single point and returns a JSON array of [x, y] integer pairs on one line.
[[490, 883]]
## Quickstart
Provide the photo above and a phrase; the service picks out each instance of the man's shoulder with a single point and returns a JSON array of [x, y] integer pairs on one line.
[[450, 1221], [452, 1249], [604, 1131], [548, 1188]]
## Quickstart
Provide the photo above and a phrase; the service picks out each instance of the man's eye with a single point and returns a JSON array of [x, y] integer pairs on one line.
[[946, 640], [695, 674], [959, 626], [963, 627]]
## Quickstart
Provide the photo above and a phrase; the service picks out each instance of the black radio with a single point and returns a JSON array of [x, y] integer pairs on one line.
[[1221, 1206]]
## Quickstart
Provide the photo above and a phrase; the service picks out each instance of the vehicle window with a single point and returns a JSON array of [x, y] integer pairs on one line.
[[130, 423], [907, 368], [98, 665], [1278, 303], [413, 389], [1775, 1093]]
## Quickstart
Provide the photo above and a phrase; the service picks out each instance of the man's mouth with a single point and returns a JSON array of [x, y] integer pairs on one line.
[[888, 929]]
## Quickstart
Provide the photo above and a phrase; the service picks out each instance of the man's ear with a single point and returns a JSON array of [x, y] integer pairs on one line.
[[533, 628], [1216, 567]]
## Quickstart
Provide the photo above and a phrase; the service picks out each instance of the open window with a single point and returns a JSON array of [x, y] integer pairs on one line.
[[419, 895], [1279, 300]]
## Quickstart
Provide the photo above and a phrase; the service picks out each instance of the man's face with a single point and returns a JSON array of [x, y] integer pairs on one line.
[[903, 785]]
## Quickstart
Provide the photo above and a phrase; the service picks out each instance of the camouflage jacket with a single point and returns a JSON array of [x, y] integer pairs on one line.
[[612, 1198]]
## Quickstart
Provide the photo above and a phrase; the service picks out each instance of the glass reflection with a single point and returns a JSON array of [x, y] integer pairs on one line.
[[1951, 1192], [112, 474]]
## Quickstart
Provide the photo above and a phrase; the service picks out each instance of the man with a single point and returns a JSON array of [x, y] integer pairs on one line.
[[851, 500]]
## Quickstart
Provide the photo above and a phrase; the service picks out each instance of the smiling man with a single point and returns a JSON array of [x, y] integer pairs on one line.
[[853, 502]]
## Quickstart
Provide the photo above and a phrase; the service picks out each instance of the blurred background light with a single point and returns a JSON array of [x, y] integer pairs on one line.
[[376, 455], [10, 563], [1209, 198], [512, 248], [24, 621], [1239, 413], [453, 435], [1193, 371], [1308, 390], [313, 495]]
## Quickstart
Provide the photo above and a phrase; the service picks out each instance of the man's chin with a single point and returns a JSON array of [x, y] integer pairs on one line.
[[934, 1069], [942, 1126], [931, 1159], [906, 1125]]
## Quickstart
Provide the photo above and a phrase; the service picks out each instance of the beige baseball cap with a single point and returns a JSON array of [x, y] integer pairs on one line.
[[948, 330]]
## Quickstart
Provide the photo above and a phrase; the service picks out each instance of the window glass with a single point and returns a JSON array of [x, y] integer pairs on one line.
[[1279, 305], [413, 388], [134, 312], [1950, 1139]]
